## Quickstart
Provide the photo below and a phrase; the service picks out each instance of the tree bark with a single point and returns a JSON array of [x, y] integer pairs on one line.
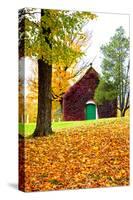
[[122, 114], [43, 125], [61, 104], [124, 111]]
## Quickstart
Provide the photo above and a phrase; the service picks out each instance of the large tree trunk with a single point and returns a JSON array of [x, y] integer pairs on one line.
[[43, 126]]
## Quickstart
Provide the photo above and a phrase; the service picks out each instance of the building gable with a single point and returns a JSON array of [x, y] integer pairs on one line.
[[75, 99]]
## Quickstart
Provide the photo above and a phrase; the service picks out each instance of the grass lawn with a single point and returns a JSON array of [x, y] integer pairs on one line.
[[27, 129]]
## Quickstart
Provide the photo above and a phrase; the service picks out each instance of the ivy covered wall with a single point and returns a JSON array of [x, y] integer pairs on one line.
[[75, 99]]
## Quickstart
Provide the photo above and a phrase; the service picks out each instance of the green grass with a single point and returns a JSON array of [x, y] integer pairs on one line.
[[27, 129]]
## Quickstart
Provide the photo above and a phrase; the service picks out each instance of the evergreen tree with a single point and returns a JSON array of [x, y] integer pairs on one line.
[[114, 81]]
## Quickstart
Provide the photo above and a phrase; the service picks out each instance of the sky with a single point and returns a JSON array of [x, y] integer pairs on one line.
[[102, 28]]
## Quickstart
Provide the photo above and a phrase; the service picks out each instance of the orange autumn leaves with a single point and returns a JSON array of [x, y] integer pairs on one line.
[[60, 82], [94, 155]]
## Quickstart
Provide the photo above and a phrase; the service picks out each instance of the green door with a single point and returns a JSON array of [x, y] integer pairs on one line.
[[90, 111]]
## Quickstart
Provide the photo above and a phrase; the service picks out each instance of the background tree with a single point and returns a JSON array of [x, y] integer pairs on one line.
[[61, 80], [115, 66], [66, 70], [21, 101], [32, 93]]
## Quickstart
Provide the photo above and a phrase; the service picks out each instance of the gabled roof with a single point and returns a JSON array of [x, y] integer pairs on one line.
[[88, 70], [91, 68]]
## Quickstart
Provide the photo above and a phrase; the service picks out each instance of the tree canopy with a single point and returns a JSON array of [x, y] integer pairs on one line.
[[55, 40], [114, 81], [65, 31]]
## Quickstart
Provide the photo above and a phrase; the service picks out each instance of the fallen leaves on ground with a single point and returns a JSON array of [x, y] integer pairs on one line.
[[94, 155]]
